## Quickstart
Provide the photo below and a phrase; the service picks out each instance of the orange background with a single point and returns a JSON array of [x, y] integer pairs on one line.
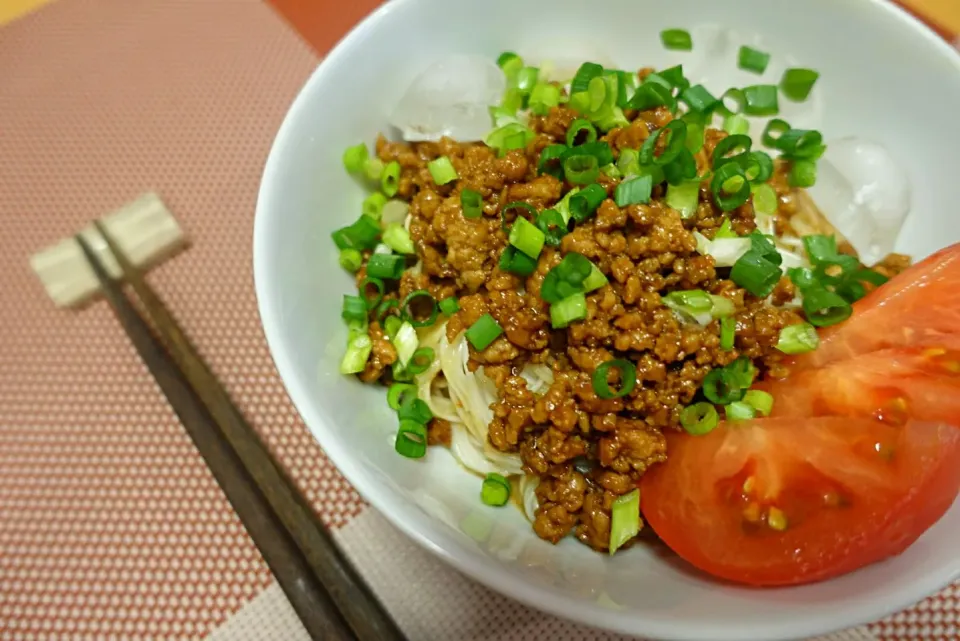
[[323, 22]]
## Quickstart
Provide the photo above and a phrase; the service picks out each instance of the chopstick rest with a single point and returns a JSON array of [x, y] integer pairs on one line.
[[144, 228]]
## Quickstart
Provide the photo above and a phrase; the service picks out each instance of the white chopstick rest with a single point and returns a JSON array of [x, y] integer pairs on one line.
[[145, 230]]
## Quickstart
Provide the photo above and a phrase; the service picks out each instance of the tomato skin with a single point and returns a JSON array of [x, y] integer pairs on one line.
[[685, 501], [921, 306]]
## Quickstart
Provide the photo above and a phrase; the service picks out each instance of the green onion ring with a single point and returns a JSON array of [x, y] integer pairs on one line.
[[628, 378], [408, 313]]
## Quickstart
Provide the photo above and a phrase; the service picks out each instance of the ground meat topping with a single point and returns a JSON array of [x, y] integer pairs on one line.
[[586, 450]]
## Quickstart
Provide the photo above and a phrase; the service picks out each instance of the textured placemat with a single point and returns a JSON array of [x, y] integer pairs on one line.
[[110, 525]]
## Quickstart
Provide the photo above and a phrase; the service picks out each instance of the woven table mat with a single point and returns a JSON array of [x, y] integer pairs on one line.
[[111, 527]]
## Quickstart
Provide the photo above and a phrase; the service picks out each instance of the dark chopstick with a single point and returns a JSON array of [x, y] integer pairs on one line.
[[311, 602], [356, 603]]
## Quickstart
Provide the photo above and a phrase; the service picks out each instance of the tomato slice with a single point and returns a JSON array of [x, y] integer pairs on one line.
[[890, 385], [918, 307], [783, 501]]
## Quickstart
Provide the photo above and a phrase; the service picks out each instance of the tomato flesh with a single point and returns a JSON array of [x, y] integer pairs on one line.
[[849, 492], [860, 456], [919, 307]]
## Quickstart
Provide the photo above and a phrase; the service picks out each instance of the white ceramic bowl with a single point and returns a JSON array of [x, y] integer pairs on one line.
[[884, 77]]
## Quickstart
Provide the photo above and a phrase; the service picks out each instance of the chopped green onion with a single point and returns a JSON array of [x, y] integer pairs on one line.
[[624, 519], [405, 341], [629, 162], [400, 374], [634, 191], [411, 439], [676, 142], [690, 301], [628, 378], [682, 169], [611, 171], [551, 159], [554, 228], [730, 186], [518, 205], [350, 259], [699, 99], [514, 261], [739, 411], [736, 125], [796, 84], [674, 77], [385, 307], [725, 385], [599, 149], [581, 169], [756, 274], [362, 234], [354, 308], [798, 339], [699, 419], [577, 127], [803, 173], [471, 202], [721, 307], [398, 393], [357, 328], [511, 102], [358, 351], [543, 97], [725, 230], [764, 199], [757, 166], [373, 168], [527, 79], [392, 326], [526, 237], [595, 280], [824, 308], [581, 80], [390, 178], [355, 158], [774, 130], [759, 400], [373, 205], [801, 144], [760, 100], [450, 306], [751, 59], [442, 171], [677, 39], [413, 408], [728, 333], [695, 137], [730, 148], [732, 101], [585, 202], [495, 490], [820, 247], [684, 197], [387, 266], [508, 61], [398, 239], [408, 312], [570, 309], [483, 332], [567, 278], [377, 284], [653, 93], [512, 135]]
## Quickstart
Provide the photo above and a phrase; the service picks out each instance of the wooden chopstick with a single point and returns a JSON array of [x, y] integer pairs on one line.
[[363, 613]]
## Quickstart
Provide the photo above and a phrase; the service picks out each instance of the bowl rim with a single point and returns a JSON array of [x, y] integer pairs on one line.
[[471, 562]]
